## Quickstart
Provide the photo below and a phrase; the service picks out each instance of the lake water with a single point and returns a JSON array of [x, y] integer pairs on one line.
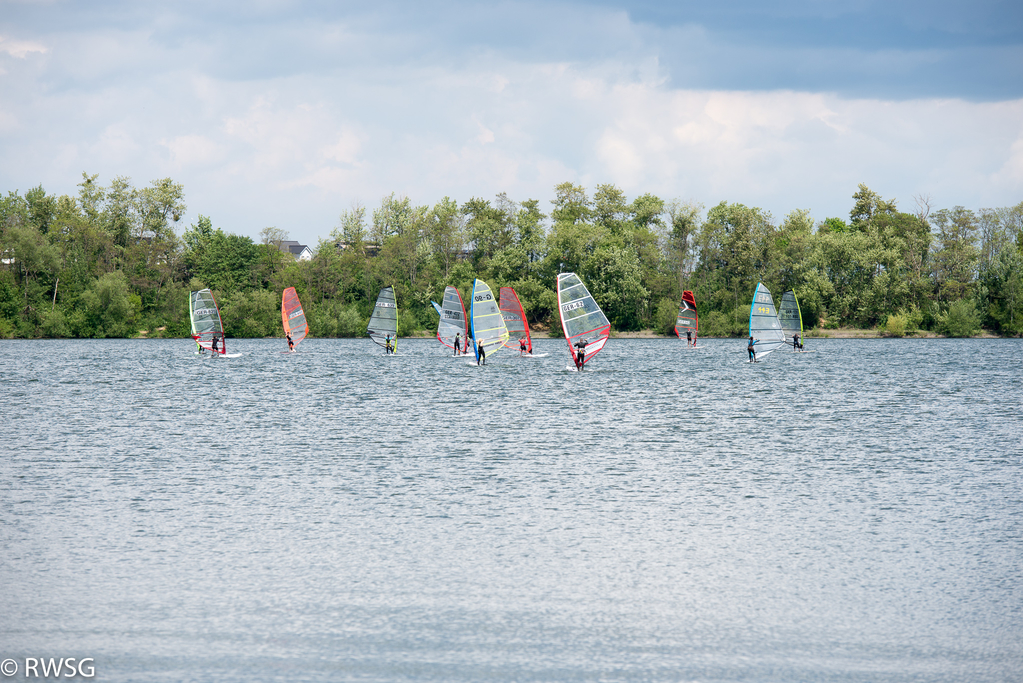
[[850, 514]]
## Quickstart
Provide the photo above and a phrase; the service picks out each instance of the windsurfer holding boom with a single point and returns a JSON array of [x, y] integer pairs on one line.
[[580, 356], [752, 351]]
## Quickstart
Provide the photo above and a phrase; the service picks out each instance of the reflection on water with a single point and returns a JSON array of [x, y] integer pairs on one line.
[[851, 514]]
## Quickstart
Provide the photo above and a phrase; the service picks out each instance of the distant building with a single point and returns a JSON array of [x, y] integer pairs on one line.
[[301, 252]]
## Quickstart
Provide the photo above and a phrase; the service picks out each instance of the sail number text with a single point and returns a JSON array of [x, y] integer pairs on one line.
[[205, 311], [572, 306], [484, 297]]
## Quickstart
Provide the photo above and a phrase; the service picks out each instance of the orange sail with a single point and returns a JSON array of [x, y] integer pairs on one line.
[[293, 316]]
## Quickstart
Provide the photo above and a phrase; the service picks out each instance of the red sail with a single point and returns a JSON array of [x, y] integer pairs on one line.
[[293, 316], [514, 320], [687, 318]]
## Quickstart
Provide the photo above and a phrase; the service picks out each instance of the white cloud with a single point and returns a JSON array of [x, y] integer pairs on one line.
[[21, 49], [293, 144], [194, 150]]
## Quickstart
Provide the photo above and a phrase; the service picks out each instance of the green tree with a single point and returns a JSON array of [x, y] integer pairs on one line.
[[955, 262]]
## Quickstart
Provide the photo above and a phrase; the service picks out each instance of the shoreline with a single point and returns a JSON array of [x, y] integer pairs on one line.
[[817, 333]]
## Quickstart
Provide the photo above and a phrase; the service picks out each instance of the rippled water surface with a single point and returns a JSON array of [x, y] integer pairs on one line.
[[850, 514]]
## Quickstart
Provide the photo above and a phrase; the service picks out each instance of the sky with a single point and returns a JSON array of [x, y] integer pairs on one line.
[[284, 114]]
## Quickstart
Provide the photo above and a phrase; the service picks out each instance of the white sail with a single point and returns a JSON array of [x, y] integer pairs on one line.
[[452, 318], [585, 325], [790, 316], [764, 326], [205, 318], [383, 324]]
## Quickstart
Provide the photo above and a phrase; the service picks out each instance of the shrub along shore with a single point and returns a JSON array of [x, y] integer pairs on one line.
[[116, 260]]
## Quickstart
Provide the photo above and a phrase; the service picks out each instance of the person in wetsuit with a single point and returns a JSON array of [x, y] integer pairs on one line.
[[580, 356], [215, 341], [752, 351], [522, 346], [796, 346], [481, 355], [291, 344], [387, 345], [689, 337], [458, 343]]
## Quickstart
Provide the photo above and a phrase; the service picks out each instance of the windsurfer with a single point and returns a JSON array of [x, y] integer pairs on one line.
[[291, 344], [387, 345], [216, 340], [796, 346], [752, 351], [522, 347], [481, 354], [458, 343], [689, 337], [580, 356]]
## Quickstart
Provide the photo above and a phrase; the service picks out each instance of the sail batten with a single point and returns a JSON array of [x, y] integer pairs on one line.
[[383, 323], [515, 320], [764, 325], [488, 327], [205, 319], [585, 326], [293, 316]]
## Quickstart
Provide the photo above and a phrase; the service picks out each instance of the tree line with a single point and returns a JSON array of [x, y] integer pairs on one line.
[[110, 262]]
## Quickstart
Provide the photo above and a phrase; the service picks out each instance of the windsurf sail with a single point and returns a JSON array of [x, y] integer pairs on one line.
[[790, 317], [585, 325], [488, 326], [764, 325], [687, 318], [205, 316], [293, 316], [452, 318], [515, 320], [383, 324]]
